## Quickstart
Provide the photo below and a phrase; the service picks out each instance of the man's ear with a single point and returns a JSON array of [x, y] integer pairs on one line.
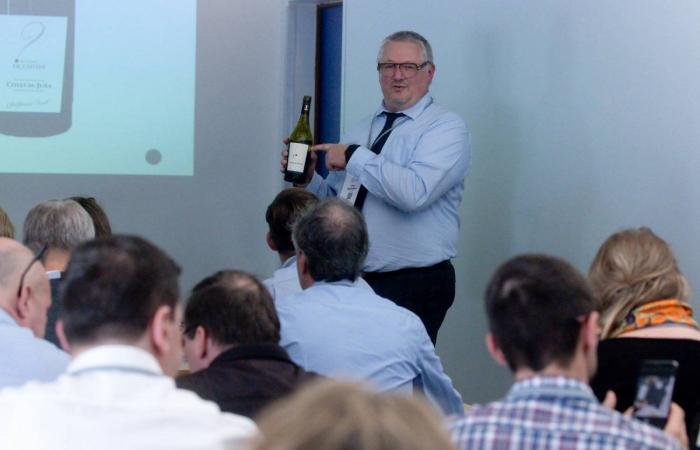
[[495, 350], [162, 325], [303, 272], [270, 242], [590, 330], [201, 342], [302, 263], [61, 335], [23, 307]]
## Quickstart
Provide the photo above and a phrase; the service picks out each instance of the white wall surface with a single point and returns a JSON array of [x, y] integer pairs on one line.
[[584, 117]]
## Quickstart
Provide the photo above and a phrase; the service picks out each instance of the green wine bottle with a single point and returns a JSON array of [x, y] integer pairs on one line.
[[300, 141]]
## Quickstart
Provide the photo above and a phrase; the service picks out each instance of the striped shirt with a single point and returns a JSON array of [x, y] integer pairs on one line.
[[548, 413]]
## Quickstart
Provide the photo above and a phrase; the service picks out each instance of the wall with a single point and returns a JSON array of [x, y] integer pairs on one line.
[[584, 120]]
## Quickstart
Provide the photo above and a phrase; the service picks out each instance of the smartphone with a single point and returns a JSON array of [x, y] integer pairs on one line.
[[652, 403], [36, 67]]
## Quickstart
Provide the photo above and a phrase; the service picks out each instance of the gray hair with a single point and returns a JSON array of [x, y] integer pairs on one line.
[[60, 224], [408, 36], [333, 237]]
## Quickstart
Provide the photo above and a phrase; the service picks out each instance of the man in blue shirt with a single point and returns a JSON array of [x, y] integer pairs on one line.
[[25, 297], [337, 326], [543, 325], [404, 166], [280, 216]]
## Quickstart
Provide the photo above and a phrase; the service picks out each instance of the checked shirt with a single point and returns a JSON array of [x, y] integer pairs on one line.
[[553, 413]]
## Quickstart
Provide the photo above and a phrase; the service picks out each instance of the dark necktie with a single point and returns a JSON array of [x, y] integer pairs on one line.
[[377, 148]]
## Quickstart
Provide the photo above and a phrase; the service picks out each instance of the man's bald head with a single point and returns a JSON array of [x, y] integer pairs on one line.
[[28, 308]]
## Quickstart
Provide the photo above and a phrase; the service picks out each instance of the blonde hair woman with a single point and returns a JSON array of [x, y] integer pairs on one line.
[[6, 228], [643, 301], [333, 415]]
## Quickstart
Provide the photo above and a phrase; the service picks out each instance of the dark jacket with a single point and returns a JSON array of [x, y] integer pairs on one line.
[[244, 379]]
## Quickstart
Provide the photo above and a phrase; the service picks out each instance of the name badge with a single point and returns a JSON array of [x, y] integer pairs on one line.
[[351, 186]]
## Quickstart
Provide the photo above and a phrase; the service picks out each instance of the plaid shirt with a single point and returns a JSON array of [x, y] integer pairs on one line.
[[548, 413]]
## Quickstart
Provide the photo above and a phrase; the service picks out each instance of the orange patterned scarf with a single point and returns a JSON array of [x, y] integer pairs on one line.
[[659, 312]]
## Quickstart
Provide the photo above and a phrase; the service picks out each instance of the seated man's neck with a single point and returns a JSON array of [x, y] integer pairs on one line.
[[284, 256], [578, 369]]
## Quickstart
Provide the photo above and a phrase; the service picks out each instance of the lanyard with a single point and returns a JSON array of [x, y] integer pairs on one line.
[[399, 122]]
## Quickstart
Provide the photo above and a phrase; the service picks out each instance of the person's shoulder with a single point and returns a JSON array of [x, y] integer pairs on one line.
[[204, 418], [477, 415], [439, 116]]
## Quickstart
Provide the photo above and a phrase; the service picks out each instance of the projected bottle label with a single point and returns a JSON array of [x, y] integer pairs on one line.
[[32, 58]]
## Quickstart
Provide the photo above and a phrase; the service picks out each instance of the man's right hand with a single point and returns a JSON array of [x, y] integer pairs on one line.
[[309, 171]]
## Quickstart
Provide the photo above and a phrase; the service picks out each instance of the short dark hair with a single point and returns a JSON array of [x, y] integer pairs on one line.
[[333, 237], [284, 210], [98, 215], [235, 308], [534, 304], [114, 286]]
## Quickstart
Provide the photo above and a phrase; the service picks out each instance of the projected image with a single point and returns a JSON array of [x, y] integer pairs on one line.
[[32, 54], [97, 87]]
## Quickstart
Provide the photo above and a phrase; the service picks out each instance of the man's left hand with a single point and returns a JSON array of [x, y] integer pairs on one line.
[[335, 155]]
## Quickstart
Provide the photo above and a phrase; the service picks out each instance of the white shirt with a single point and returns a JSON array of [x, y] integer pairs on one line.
[[115, 397]]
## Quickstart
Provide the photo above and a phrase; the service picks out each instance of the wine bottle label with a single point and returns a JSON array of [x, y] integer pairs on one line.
[[32, 59], [297, 156]]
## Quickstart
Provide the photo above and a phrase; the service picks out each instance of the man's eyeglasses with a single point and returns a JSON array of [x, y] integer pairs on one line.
[[409, 70], [36, 258]]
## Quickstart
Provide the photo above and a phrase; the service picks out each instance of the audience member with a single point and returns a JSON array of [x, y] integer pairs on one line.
[[121, 323], [338, 326], [6, 228], [642, 294], [543, 325], [24, 299], [98, 215], [339, 416], [284, 210], [60, 225], [231, 343]]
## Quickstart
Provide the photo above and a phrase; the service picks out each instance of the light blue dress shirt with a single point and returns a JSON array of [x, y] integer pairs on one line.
[[343, 329], [24, 357], [285, 280], [415, 185]]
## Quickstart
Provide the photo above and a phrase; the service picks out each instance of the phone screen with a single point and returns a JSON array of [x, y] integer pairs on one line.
[[655, 391]]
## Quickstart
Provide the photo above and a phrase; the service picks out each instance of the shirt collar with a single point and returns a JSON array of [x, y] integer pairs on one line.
[[115, 357], [346, 283], [289, 262], [550, 386], [252, 351], [412, 112]]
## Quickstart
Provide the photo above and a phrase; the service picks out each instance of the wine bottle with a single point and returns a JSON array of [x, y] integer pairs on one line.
[[299, 143]]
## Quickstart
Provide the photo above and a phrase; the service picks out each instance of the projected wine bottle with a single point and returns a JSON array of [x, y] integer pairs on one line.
[[299, 142], [36, 66]]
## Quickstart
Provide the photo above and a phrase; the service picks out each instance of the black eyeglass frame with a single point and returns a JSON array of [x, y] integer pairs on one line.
[[36, 258], [402, 67]]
